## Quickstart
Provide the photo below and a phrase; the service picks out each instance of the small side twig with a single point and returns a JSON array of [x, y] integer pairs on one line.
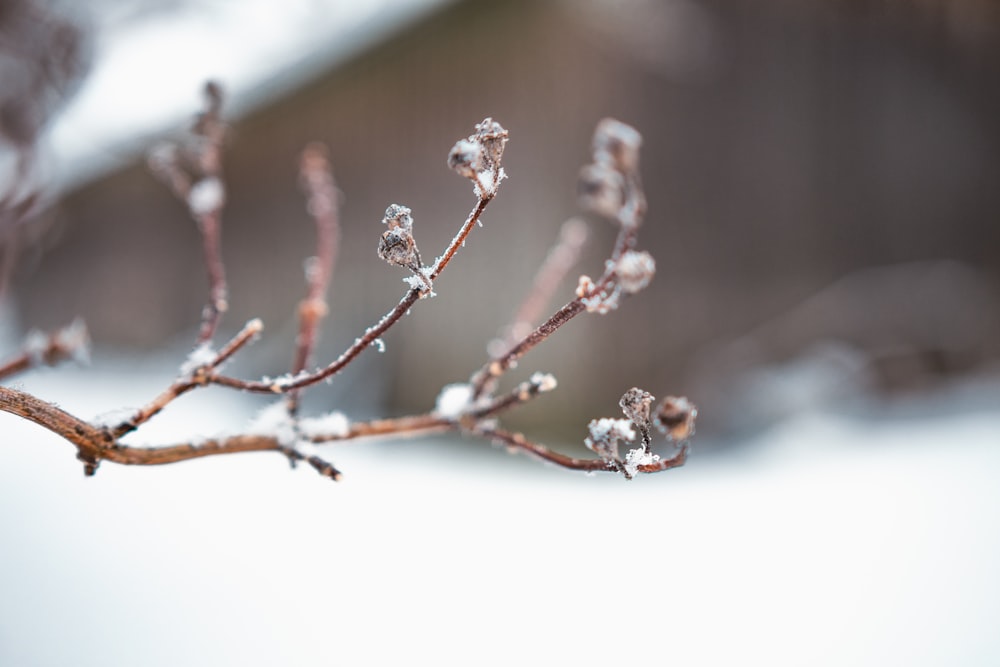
[[197, 372], [71, 342], [610, 187], [557, 264], [323, 205], [205, 195]]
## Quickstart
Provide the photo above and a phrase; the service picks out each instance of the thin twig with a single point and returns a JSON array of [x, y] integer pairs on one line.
[[517, 442], [558, 262], [198, 376], [371, 334], [323, 205], [40, 349]]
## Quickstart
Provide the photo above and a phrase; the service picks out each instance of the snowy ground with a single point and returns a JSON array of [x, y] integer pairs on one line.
[[826, 541]]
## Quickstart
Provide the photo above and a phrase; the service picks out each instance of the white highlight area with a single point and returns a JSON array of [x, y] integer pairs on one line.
[[828, 540], [150, 69]]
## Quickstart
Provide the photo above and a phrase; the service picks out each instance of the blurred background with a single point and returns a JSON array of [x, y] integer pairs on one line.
[[824, 208], [823, 188]]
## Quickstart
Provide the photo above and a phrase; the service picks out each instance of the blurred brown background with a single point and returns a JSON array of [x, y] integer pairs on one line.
[[824, 194]]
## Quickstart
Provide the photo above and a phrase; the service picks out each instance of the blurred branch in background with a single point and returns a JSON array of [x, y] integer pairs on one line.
[[44, 53]]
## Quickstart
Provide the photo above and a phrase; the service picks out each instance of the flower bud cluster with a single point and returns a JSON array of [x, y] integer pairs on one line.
[[674, 417]]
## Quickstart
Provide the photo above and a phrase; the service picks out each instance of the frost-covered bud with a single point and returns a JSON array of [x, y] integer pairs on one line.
[[397, 246], [675, 416], [466, 158], [206, 196], [637, 404], [635, 269], [601, 190], [398, 216], [617, 145], [492, 137], [605, 434]]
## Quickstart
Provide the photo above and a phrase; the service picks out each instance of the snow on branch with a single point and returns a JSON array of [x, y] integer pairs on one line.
[[192, 169]]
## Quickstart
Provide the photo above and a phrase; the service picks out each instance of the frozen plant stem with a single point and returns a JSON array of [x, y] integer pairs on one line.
[[610, 187]]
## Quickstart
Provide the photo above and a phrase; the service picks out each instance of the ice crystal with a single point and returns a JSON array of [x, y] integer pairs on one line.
[[638, 457]]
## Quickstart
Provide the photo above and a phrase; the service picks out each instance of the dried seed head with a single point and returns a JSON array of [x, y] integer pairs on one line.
[[676, 416], [635, 269], [637, 404], [397, 216], [493, 138], [601, 190], [397, 246], [466, 158], [617, 145]]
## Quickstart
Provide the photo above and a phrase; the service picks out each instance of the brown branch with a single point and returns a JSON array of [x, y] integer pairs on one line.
[[558, 262], [517, 442], [323, 205], [497, 367], [204, 193], [612, 189], [91, 442], [371, 334], [196, 376], [210, 226]]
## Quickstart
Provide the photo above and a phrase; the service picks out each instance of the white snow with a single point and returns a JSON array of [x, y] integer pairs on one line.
[[206, 196], [332, 424], [453, 400], [274, 421], [544, 381], [35, 344], [149, 70], [607, 428], [200, 355], [638, 457], [111, 418], [827, 540]]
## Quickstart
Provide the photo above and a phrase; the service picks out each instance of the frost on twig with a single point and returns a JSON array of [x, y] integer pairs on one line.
[[610, 187], [192, 170], [606, 434], [70, 343]]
